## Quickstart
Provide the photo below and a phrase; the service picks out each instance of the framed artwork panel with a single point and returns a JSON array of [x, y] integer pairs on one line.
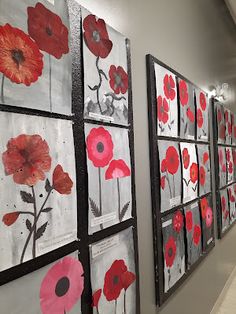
[[224, 203], [222, 166], [207, 219], [233, 129], [202, 116], [230, 164], [106, 80], [39, 202], [232, 202], [204, 169], [228, 127], [40, 65], [220, 118], [113, 274]]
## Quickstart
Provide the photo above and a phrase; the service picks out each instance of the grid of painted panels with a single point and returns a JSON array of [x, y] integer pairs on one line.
[[67, 161], [225, 160], [180, 167]]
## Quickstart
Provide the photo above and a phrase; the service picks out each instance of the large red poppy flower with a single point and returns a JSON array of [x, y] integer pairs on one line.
[[178, 221], [163, 165], [20, 58], [209, 217], [169, 87], [189, 220], [205, 157], [162, 109], [163, 182], [230, 128], [204, 206], [47, 29], [183, 92], [190, 115], [202, 176], [119, 80], [196, 234], [96, 298], [113, 282], [222, 132], [172, 160], [194, 172], [202, 99], [117, 169], [231, 196], [230, 167], [100, 147], [96, 36], [199, 118], [223, 203], [186, 158], [170, 251], [62, 286], [27, 158], [226, 116], [10, 218], [62, 182], [228, 155], [127, 279]]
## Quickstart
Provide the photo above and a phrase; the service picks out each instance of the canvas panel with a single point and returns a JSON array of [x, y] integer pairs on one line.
[[204, 169], [224, 203], [207, 219], [202, 103], [228, 127], [232, 202], [230, 164], [222, 167], [220, 118]]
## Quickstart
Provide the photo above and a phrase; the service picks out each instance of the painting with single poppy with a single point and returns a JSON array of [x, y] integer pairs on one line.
[[35, 57], [113, 274], [189, 171], [234, 128], [53, 289], [228, 126], [234, 161], [193, 233], [187, 109], [224, 205], [207, 219], [166, 101], [204, 165], [230, 164], [106, 80], [232, 203], [170, 174], [109, 176], [173, 248], [222, 166], [38, 205], [202, 114], [220, 119]]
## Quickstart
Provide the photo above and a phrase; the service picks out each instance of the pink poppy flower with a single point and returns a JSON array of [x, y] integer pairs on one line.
[[62, 286], [209, 217]]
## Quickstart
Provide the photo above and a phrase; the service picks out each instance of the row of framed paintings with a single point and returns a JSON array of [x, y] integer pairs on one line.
[[226, 125], [227, 206], [180, 168], [68, 219], [226, 165]]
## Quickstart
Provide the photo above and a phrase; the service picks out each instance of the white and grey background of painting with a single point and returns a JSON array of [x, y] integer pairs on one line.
[[191, 126], [194, 251], [225, 222], [178, 268], [36, 96], [28, 302], [101, 264], [160, 73], [117, 57], [201, 149], [109, 187], [175, 183], [62, 226]]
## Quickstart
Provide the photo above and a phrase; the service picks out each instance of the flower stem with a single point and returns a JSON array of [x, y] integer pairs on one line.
[[168, 181], [33, 227], [2, 89], [99, 85], [118, 190], [100, 193], [125, 302], [173, 177], [115, 306], [26, 213], [50, 81]]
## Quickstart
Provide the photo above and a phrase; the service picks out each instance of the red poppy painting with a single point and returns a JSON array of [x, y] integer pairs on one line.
[[222, 166], [202, 107], [230, 164], [167, 108], [40, 186], [233, 128], [109, 170], [232, 203], [170, 252], [228, 126], [224, 202], [204, 165], [221, 123], [207, 221], [106, 84]]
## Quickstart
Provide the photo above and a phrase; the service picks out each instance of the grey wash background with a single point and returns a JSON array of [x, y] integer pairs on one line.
[[36, 95], [100, 264], [201, 149], [117, 57], [62, 227], [27, 298], [187, 128], [177, 270], [160, 73], [207, 232], [225, 221], [109, 187], [203, 132], [194, 252], [167, 200], [222, 174]]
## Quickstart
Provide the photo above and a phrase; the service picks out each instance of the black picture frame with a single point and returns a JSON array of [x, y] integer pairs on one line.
[[216, 145], [161, 296]]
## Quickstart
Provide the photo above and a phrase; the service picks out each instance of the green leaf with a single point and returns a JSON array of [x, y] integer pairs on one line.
[[28, 224], [41, 231], [47, 210], [26, 197], [47, 186], [123, 211], [94, 208]]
